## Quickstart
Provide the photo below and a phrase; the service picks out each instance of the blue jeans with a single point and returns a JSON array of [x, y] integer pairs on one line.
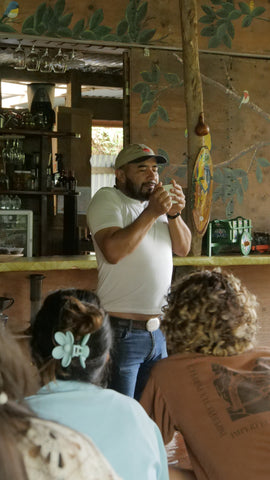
[[134, 354]]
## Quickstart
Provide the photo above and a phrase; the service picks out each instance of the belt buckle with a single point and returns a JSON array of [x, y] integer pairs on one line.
[[152, 324]]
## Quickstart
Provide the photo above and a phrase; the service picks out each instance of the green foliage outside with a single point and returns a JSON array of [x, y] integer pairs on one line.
[[106, 141]]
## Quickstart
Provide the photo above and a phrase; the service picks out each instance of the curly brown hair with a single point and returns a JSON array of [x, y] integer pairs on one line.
[[210, 312]]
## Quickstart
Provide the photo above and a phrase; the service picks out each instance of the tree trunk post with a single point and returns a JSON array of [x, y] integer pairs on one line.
[[194, 104]]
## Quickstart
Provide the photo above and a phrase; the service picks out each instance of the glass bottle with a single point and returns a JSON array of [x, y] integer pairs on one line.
[[72, 181], [61, 176], [4, 180], [62, 182], [6, 152], [35, 169], [49, 174], [32, 180], [19, 155]]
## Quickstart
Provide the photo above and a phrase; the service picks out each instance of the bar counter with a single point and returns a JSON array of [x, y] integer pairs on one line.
[[87, 262], [81, 272]]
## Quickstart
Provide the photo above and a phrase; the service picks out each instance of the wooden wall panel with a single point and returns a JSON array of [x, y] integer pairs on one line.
[[168, 136], [162, 15], [253, 39], [17, 286], [213, 72], [235, 129]]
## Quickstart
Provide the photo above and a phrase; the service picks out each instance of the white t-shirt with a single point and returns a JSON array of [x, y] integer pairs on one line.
[[139, 282]]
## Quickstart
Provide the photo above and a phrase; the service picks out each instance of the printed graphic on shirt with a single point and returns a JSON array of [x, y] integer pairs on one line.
[[245, 393], [203, 393]]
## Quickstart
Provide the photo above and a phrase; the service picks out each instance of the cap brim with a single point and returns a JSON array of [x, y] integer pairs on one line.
[[158, 158]]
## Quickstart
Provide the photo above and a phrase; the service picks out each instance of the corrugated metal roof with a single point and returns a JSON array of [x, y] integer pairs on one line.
[[105, 179]]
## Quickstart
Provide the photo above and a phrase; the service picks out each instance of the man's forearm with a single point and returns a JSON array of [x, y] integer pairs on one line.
[[180, 236]]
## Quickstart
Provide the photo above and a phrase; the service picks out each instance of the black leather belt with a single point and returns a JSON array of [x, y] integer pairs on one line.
[[150, 325]]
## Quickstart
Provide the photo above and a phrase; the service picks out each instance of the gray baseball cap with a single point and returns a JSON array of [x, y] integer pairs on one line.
[[136, 151]]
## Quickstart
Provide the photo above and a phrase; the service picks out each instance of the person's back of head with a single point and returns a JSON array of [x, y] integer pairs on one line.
[[71, 337], [15, 381], [210, 312], [31, 447]]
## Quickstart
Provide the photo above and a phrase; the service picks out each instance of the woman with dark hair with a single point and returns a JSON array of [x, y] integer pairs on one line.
[[71, 343], [79, 312], [32, 448], [215, 386]]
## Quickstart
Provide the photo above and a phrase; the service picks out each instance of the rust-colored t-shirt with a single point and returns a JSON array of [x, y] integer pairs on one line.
[[221, 405]]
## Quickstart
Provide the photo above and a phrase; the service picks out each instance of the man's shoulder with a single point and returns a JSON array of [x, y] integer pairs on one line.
[[101, 192], [104, 196]]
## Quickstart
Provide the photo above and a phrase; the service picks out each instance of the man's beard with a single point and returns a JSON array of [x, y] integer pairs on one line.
[[142, 193]]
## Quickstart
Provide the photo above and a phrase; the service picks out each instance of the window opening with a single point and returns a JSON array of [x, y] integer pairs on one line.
[[14, 94], [106, 143]]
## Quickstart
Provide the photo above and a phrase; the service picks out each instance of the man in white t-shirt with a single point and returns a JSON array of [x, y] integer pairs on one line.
[[135, 227]]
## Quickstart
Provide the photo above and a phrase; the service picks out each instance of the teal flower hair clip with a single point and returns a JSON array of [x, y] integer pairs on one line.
[[67, 350]]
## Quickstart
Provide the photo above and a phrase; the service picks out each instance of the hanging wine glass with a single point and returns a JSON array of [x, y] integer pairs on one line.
[[33, 60], [74, 61], [46, 62], [59, 63], [19, 58]]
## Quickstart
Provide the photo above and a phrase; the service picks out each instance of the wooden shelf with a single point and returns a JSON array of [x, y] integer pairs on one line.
[[32, 132], [42, 198], [39, 192]]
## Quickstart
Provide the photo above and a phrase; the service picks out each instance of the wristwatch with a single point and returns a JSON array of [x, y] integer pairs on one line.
[[171, 217]]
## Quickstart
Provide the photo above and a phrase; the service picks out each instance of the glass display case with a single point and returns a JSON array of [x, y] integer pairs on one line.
[[16, 231]]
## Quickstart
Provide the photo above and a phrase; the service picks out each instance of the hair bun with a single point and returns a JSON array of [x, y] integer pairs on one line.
[[81, 317]]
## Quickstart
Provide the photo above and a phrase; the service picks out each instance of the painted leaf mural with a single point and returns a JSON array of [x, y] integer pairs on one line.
[[54, 22], [219, 18], [155, 83]]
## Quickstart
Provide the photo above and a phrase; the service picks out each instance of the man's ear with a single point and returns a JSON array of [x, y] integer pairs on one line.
[[120, 175]]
